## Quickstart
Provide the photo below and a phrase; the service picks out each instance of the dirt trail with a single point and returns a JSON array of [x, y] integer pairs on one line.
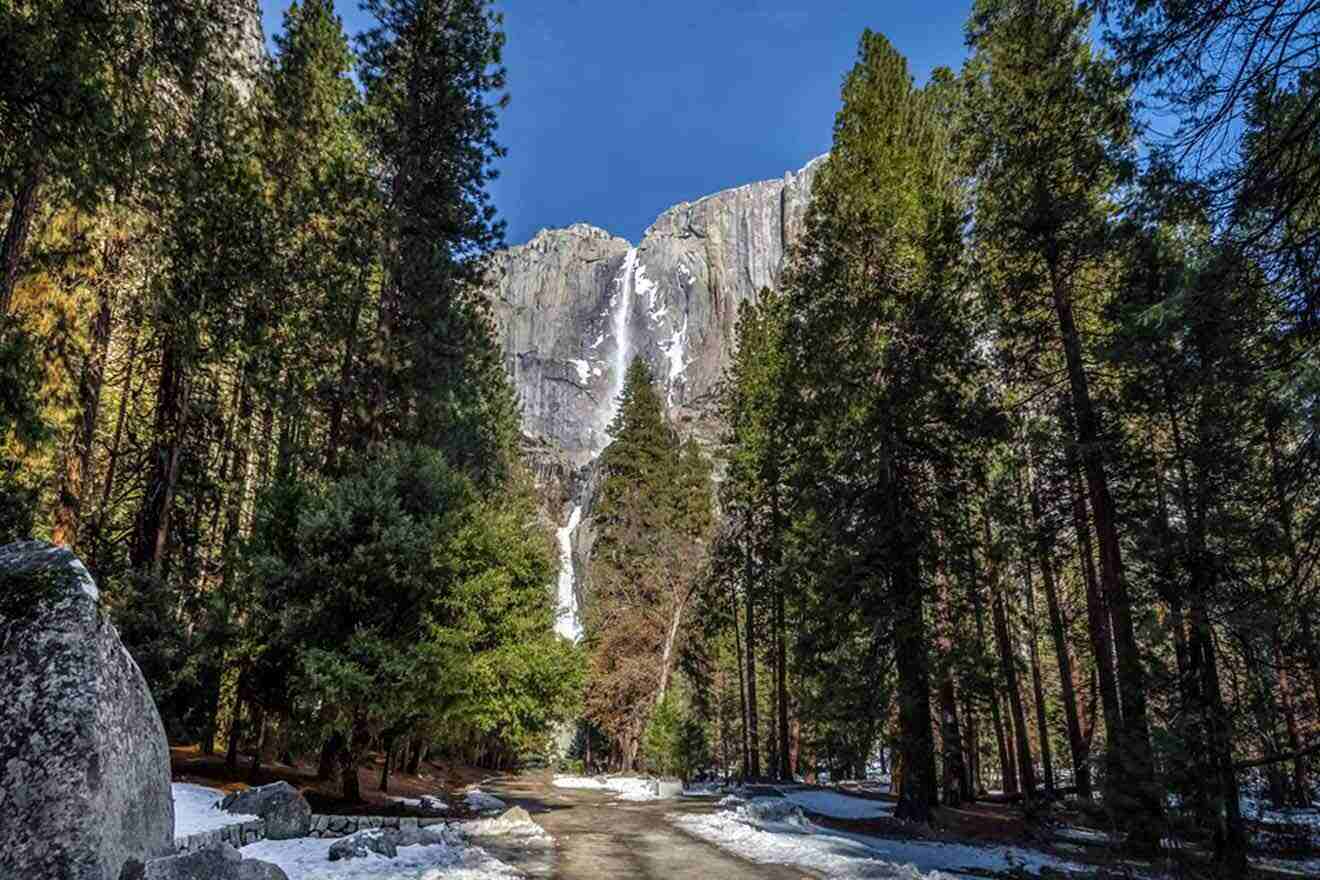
[[598, 837]]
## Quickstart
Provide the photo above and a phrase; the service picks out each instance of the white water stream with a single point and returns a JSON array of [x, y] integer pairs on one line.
[[567, 623]]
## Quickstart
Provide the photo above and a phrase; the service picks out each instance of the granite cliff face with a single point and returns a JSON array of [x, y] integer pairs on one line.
[[574, 306]]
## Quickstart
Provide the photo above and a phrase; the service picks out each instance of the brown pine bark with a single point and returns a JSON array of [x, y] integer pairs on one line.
[[1145, 820], [957, 785], [1079, 750], [153, 521], [916, 739], [1097, 615], [742, 684], [753, 736], [1037, 686], [14, 243], [78, 455], [1008, 665], [1007, 772]]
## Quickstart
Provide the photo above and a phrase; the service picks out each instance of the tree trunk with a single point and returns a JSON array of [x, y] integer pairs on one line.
[[385, 764], [742, 685], [916, 740], [781, 686], [235, 733], [153, 523], [259, 723], [1097, 615], [1025, 764], [330, 750], [1008, 666], [415, 759], [1145, 822], [1037, 687], [1008, 774], [753, 741], [350, 759], [112, 463], [957, 780], [14, 243], [78, 456], [1078, 749]]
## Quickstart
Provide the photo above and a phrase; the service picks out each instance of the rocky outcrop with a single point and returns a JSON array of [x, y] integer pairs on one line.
[[574, 306], [281, 806], [221, 862], [84, 764]]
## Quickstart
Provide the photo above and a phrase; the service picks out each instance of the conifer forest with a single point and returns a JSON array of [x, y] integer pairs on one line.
[[1001, 508]]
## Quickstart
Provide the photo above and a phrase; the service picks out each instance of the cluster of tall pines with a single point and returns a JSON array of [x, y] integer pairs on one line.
[[247, 375], [1021, 477]]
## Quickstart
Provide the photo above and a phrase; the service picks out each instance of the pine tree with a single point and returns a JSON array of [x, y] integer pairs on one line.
[[652, 519], [1049, 130], [877, 425]]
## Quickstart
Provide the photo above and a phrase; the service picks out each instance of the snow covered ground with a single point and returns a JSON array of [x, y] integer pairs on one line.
[[772, 831], [308, 858], [839, 806], [628, 788], [457, 858], [196, 809]]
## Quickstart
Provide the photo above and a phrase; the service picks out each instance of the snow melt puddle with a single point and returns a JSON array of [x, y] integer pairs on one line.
[[197, 809], [628, 788], [774, 831]]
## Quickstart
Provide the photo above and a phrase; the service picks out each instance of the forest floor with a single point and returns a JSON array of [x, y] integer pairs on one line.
[[188, 764], [596, 834]]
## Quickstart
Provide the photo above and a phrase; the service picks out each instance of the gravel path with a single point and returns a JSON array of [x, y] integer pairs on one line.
[[598, 837]]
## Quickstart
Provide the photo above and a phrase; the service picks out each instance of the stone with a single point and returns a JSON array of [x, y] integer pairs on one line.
[[356, 846], [281, 806], [433, 805], [84, 763], [220, 862]]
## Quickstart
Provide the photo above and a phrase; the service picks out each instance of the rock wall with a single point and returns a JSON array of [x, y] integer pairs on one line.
[[574, 306]]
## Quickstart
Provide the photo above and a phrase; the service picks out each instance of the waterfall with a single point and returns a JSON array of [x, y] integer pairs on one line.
[[626, 282], [567, 623]]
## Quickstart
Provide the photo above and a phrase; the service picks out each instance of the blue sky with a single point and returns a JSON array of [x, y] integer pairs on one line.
[[621, 108]]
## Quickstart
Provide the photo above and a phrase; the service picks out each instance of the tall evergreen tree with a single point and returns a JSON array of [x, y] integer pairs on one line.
[[653, 520], [1049, 130], [877, 424]]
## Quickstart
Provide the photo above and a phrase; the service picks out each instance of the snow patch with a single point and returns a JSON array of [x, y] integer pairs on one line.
[[839, 806], [308, 858], [583, 368], [772, 831], [197, 809], [628, 788]]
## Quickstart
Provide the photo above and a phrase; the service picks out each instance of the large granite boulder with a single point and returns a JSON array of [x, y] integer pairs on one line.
[[220, 862], [84, 764], [283, 808]]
